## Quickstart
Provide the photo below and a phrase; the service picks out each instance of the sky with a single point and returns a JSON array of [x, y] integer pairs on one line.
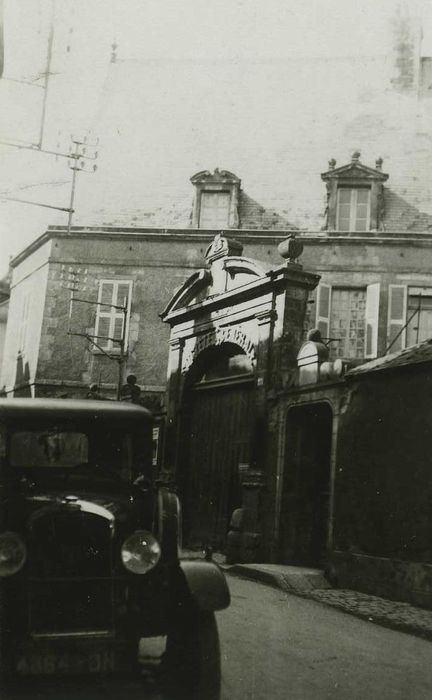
[[237, 33]]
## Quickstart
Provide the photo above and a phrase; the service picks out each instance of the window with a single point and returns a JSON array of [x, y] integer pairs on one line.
[[50, 448], [409, 316], [353, 209], [214, 211], [216, 203], [355, 196], [419, 311], [349, 317], [110, 317]]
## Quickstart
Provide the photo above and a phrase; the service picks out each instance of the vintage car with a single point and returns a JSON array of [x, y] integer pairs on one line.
[[90, 551]]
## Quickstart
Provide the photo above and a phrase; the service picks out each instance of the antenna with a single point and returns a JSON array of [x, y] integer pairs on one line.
[[78, 164], [77, 156], [77, 161]]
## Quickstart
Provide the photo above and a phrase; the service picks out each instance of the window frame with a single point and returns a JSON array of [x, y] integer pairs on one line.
[[103, 310], [323, 317], [354, 189]]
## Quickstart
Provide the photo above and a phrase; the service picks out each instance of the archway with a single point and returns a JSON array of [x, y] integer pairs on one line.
[[216, 423]]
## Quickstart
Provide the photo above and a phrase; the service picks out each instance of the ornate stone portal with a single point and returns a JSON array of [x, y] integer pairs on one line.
[[236, 328]]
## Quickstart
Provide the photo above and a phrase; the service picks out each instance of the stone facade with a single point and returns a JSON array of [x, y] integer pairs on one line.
[[157, 262]]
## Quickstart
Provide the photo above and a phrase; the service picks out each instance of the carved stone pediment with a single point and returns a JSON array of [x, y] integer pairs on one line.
[[354, 171], [218, 177], [192, 291]]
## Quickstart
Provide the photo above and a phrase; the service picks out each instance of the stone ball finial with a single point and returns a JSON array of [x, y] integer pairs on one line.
[[379, 163], [290, 249], [332, 163], [355, 157]]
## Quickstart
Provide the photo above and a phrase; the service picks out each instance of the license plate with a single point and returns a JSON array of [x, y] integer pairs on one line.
[[36, 663]]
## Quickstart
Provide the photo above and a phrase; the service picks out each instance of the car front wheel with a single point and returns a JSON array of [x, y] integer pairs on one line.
[[191, 668]]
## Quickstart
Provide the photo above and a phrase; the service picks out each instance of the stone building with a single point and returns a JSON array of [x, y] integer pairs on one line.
[[66, 321], [285, 455], [85, 304]]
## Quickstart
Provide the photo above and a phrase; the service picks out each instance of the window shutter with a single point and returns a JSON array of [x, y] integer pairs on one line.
[[372, 317], [323, 309], [397, 311]]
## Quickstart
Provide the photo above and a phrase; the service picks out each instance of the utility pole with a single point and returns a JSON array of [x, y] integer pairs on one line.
[[47, 74], [78, 156], [78, 164]]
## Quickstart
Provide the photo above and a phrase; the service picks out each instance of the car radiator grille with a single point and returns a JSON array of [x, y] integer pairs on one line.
[[70, 568]]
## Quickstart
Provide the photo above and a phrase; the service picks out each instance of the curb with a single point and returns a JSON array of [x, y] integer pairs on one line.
[[323, 595], [299, 582]]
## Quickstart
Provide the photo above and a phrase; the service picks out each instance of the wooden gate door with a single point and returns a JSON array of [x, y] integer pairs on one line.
[[217, 440]]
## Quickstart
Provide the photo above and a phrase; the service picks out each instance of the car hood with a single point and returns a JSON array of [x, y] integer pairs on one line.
[[123, 512]]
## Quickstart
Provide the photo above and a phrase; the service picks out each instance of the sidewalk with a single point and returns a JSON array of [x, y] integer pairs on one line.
[[311, 584]]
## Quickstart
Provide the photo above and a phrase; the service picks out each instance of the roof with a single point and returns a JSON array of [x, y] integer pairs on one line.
[[414, 355], [273, 122], [72, 410]]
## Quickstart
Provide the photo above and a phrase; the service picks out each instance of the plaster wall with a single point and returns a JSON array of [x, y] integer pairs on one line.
[[25, 325]]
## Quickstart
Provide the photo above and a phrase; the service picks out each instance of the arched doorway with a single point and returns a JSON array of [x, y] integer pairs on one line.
[[304, 514], [216, 423]]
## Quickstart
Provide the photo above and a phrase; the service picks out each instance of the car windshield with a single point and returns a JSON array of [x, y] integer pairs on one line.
[[48, 448], [59, 448]]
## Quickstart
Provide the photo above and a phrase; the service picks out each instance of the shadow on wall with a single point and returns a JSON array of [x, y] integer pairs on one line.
[[399, 215], [22, 377], [254, 216]]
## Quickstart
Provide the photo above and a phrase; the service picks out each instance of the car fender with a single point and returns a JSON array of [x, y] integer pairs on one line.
[[206, 584]]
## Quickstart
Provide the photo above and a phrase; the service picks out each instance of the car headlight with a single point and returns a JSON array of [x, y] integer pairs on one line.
[[13, 553], [140, 552]]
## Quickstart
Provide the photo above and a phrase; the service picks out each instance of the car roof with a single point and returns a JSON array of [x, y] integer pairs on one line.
[[73, 410]]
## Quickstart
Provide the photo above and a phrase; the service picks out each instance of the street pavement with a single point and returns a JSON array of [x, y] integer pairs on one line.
[[283, 647], [280, 646]]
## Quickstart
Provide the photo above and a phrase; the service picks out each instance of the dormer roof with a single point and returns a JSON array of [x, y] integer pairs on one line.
[[218, 177], [355, 170]]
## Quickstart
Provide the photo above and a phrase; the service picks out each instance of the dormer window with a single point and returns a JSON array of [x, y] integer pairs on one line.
[[355, 196], [353, 209], [216, 200]]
